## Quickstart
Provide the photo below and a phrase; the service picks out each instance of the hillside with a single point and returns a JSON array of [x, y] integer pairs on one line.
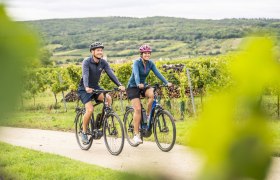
[[171, 38]]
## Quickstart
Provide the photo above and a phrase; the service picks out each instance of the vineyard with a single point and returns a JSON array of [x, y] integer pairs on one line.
[[208, 75]]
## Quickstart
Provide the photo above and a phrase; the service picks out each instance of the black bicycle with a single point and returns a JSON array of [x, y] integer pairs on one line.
[[161, 122], [107, 124]]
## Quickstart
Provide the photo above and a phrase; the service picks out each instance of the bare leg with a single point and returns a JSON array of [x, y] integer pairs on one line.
[[108, 98], [137, 114], [86, 118], [150, 94]]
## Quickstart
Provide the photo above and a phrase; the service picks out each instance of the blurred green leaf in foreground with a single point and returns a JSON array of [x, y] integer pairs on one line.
[[18, 49], [232, 133]]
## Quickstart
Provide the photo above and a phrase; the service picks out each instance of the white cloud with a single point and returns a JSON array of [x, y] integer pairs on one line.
[[211, 9]]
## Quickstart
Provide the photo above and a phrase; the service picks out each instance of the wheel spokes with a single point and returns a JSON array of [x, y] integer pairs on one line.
[[164, 130], [113, 134]]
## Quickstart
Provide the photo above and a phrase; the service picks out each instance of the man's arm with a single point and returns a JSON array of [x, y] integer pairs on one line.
[[111, 74], [85, 72]]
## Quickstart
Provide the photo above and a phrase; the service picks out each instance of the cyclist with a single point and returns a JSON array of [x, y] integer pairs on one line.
[[91, 72], [136, 86]]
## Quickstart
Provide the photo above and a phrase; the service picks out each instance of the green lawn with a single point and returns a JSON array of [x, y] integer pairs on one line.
[[42, 120], [22, 163]]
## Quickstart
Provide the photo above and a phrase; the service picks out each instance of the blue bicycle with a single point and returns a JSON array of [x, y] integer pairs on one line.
[[161, 123]]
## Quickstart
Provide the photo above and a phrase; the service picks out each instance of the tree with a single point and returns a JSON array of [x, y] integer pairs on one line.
[[57, 81], [45, 57], [34, 82]]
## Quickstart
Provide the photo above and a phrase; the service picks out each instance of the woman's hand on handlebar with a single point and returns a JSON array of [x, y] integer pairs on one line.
[[141, 86]]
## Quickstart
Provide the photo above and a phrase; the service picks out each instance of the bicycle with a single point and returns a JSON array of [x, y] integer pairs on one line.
[[107, 123], [161, 123]]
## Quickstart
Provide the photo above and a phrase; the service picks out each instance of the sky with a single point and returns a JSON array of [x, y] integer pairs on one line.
[[192, 9]]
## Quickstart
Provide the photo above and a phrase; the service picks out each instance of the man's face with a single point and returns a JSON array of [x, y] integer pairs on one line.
[[98, 53]]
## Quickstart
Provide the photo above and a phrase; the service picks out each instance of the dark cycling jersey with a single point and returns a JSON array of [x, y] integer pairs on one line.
[[91, 72]]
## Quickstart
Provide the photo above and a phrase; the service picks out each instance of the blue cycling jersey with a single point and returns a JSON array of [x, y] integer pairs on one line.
[[140, 73]]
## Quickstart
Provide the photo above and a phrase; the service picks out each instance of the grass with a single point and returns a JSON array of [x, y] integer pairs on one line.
[[44, 116], [41, 120], [22, 163]]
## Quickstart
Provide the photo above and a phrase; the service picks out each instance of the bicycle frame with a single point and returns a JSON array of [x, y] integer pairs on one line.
[[158, 124], [156, 107], [105, 110]]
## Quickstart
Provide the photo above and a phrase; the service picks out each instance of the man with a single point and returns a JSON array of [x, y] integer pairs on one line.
[[91, 72]]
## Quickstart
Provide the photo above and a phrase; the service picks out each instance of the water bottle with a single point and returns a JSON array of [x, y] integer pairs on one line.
[[98, 120], [148, 120], [144, 116]]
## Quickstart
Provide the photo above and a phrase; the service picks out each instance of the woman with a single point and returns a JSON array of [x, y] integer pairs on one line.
[[137, 86]]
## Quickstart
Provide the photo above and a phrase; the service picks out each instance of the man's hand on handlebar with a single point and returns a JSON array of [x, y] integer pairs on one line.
[[89, 90], [122, 88]]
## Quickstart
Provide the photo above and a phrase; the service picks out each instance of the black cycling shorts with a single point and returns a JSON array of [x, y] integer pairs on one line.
[[135, 92]]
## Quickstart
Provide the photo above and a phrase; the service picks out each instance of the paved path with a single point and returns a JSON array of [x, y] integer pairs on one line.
[[180, 163]]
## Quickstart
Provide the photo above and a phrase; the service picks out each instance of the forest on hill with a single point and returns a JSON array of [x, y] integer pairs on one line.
[[67, 40]]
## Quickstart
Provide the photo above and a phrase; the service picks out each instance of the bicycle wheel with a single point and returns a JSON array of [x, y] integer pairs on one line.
[[79, 129], [129, 127], [113, 134], [164, 131]]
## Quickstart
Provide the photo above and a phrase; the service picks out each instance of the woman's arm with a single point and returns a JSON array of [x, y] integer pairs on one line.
[[135, 71], [157, 73]]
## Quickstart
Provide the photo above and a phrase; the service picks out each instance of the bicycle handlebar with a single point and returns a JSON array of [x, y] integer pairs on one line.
[[156, 86], [105, 91]]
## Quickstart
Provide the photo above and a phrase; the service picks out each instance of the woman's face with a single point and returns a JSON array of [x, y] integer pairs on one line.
[[146, 56]]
